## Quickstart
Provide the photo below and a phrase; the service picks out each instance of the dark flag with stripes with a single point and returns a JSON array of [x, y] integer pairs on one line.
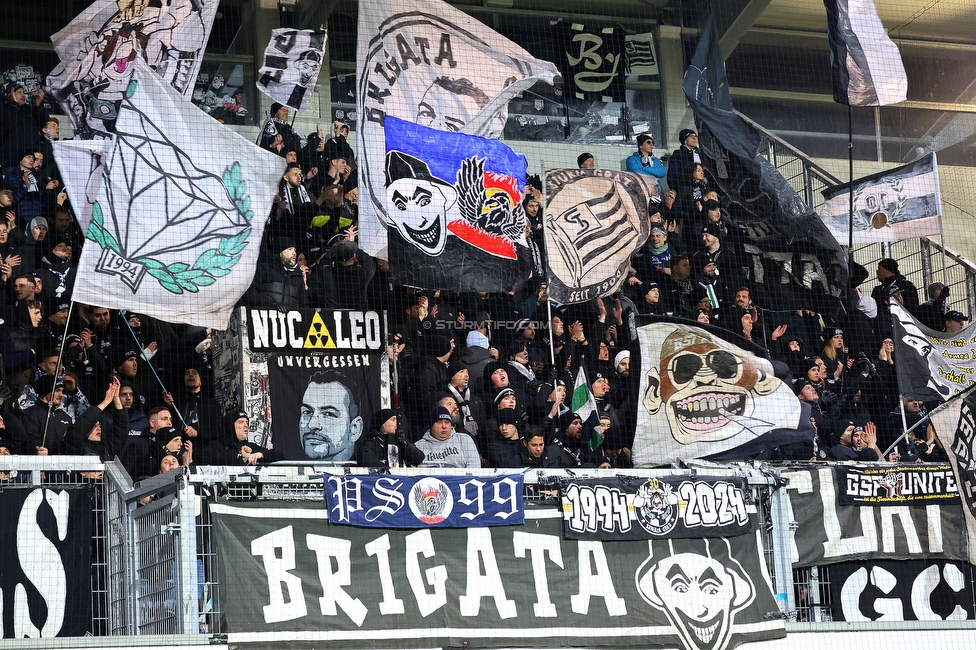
[[865, 65]]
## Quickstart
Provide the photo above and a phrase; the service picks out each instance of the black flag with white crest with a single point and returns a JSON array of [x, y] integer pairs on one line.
[[291, 67]]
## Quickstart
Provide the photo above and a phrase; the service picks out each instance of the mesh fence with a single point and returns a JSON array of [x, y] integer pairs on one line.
[[167, 162]]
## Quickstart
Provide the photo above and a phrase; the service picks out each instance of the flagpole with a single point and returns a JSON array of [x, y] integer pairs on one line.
[[850, 176], [545, 206], [145, 356], [57, 372], [928, 416]]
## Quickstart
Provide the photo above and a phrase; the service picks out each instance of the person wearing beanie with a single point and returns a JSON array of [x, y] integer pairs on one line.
[[50, 392], [32, 196], [681, 157], [586, 161], [430, 377], [643, 161], [21, 122], [471, 409], [651, 303], [387, 446], [571, 437], [889, 276], [87, 436], [55, 270], [442, 446], [503, 445], [278, 136], [233, 447], [279, 282]]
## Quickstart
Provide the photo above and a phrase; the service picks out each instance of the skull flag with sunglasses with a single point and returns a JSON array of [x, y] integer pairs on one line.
[[703, 397]]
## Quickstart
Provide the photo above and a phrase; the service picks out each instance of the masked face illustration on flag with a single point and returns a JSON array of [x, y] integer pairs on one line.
[[428, 64], [418, 202], [700, 593], [456, 199]]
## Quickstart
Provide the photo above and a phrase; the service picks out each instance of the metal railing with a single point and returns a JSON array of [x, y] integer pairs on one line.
[[155, 561], [923, 261]]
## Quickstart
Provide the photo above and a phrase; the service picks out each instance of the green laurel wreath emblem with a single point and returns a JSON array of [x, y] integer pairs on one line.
[[212, 263]]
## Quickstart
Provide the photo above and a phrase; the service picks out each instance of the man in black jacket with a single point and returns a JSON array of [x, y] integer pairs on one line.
[[387, 446], [279, 282], [142, 453], [43, 440], [681, 157]]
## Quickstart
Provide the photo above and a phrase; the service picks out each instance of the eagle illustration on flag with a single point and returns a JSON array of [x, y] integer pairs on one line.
[[454, 208]]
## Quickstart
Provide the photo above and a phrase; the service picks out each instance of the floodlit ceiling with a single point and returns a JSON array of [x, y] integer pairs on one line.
[[937, 20]]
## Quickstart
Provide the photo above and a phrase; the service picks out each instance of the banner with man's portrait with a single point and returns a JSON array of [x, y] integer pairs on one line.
[[324, 376]]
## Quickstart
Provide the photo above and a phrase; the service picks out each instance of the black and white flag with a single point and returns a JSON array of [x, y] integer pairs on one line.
[[426, 62], [46, 581], [828, 532], [702, 396], [98, 47], [294, 581], [792, 259], [955, 425], [931, 365], [641, 58], [291, 66], [595, 220], [917, 590], [901, 203], [591, 60], [865, 65]]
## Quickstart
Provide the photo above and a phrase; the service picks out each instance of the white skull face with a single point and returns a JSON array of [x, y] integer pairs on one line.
[[708, 393], [418, 210]]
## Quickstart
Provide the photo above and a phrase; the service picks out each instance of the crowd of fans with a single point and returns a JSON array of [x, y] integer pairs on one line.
[[484, 379]]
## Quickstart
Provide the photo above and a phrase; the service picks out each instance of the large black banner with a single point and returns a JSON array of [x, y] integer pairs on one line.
[[291, 580], [792, 258], [324, 376], [827, 532], [45, 575], [896, 486], [628, 507], [919, 590]]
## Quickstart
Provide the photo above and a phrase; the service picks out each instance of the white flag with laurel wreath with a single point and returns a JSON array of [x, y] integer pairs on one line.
[[178, 218]]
